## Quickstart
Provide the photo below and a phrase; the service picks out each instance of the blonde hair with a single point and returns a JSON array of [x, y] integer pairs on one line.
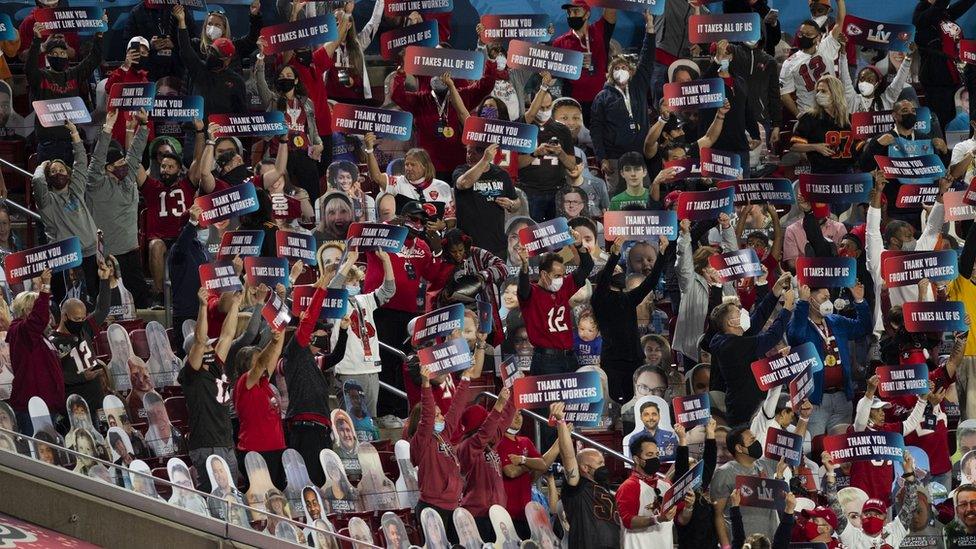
[[423, 157], [23, 304], [355, 273], [619, 59], [842, 115], [4, 315], [205, 41]]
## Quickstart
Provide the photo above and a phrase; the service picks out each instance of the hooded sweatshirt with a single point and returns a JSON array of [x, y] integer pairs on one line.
[[65, 213], [49, 84], [484, 484], [439, 472], [37, 370]]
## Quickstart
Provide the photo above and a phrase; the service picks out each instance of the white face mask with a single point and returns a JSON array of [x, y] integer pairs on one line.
[[823, 99], [820, 20], [501, 62], [621, 76], [827, 308], [214, 32], [745, 321], [556, 284], [908, 245], [866, 88], [511, 431], [353, 289], [543, 115]]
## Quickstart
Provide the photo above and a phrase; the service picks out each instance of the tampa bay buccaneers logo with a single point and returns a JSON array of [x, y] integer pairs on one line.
[[355, 324]]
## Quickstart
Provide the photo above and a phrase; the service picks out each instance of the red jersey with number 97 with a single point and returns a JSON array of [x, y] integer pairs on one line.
[[548, 316], [166, 207]]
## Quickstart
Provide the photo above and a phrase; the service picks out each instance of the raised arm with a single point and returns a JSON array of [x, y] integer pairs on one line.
[[715, 128], [267, 360], [566, 451], [228, 328], [377, 175], [195, 357]]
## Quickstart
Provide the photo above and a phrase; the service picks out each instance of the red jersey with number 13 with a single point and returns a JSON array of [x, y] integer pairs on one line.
[[166, 207], [549, 317]]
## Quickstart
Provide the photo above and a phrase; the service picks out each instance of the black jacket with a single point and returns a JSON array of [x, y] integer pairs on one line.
[[740, 119], [185, 259], [223, 91], [610, 123], [49, 84], [761, 73], [148, 22], [936, 69]]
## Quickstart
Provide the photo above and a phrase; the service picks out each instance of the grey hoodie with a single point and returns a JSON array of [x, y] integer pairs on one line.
[[65, 213], [115, 204]]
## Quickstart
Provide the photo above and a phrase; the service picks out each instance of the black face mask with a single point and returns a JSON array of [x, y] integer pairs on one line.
[[224, 158], [602, 475], [168, 178], [214, 63], [59, 180], [285, 85], [651, 466], [59, 64], [805, 42], [237, 175], [74, 327], [576, 23], [908, 120], [755, 450], [320, 342], [304, 57]]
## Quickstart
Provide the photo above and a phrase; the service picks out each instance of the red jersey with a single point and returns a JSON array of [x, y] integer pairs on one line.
[[483, 485], [548, 316], [874, 477], [166, 207], [518, 489], [746, 287], [260, 417], [595, 43], [412, 271]]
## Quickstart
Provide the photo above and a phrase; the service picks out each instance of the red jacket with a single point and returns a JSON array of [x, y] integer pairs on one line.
[[439, 473], [628, 497], [447, 153], [122, 75], [483, 482], [417, 253], [37, 370], [315, 86]]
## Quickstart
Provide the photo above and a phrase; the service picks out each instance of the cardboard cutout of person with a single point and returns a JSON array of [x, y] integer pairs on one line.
[[296, 474], [653, 416], [540, 526], [164, 366], [225, 493], [467, 529], [337, 490], [355, 405], [164, 439], [287, 531], [505, 535], [434, 531], [48, 451], [408, 488], [394, 532], [359, 531], [278, 508], [83, 442], [378, 492], [80, 418], [142, 479], [184, 495], [115, 416], [260, 483], [9, 440], [312, 504], [100, 472], [118, 365], [120, 447], [323, 535], [345, 441]]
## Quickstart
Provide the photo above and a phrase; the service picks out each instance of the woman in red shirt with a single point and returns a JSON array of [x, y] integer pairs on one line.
[[258, 408]]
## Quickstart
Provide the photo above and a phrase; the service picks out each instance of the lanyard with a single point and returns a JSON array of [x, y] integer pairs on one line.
[[441, 106]]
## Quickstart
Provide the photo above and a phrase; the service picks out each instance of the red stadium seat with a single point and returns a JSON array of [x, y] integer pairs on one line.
[[390, 467], [176, 408], [140, 345], [162, 488], [101, 344]]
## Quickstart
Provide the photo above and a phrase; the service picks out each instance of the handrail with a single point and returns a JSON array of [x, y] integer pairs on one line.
[[207, 497], [6, 201]]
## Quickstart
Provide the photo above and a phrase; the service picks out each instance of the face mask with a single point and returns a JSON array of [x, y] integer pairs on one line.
[[353, 289], [723, 65], [285, 85], [872, 525], [621, 76], [120, 172], [214, 32], [511, 431], [225, 158], [827, 308], [304, 57], [57, 63], [811, 530], [745, 321], [575, 23], [908, 120], [58, 180], [804, 42], [823, 99], [490, 113], [543, 115], [866, 88], [651, 466], [319, 342], [438, 426], [820, 20], [74, 327], [203, 236], [601, 475], [908, 245], [214, 62], [755, 450], [556, 284], [438, 85], [501, 62]]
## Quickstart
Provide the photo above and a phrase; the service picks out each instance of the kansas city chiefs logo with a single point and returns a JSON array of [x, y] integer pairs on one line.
[[853, 30]]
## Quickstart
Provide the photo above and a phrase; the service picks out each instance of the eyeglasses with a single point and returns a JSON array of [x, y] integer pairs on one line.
[[573, 202], [645, 390]]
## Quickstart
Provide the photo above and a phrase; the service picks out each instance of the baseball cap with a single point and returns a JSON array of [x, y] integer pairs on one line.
[[138, 40], [875, 504], [671, 198], [224, 46], [878, 403], [576, 4], [825, 513]]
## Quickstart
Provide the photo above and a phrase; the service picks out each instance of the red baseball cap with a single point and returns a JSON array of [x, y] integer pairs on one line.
[[225, 47], [671, 198], [823, 512], [875, 504], [473, 417], [577, 4]]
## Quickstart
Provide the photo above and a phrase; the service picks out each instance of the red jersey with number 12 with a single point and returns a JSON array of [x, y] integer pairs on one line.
[[549, 317]]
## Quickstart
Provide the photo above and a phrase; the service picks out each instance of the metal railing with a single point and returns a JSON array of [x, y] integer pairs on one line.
[[537, 418], [10, 203], [156, 506]]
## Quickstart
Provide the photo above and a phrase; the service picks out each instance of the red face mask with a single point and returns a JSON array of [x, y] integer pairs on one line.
[[872, 525], [811, 530]]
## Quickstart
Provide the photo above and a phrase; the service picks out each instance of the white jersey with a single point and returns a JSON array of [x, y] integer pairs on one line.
[[801, 71], [437, 191]]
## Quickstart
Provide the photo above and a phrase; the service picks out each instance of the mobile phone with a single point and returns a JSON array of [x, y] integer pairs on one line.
[[554, 141]]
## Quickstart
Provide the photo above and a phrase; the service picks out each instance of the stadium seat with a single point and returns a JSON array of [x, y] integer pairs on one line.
[[176, 408], [140, 345]]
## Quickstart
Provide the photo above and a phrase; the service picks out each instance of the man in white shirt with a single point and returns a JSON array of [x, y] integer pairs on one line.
[[961, 166], [816, 56]]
